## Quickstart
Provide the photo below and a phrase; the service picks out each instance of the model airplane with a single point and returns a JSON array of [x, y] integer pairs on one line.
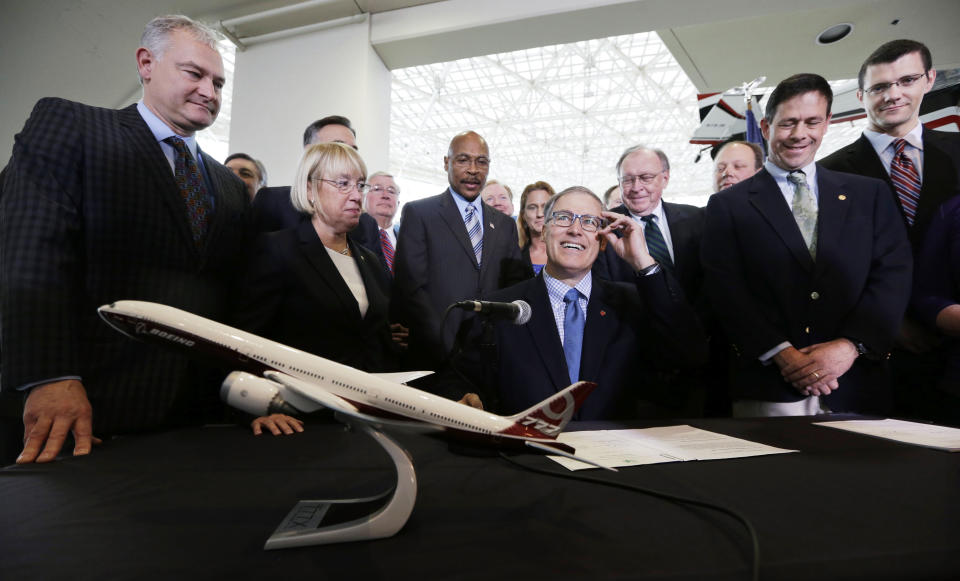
[[272, 377]]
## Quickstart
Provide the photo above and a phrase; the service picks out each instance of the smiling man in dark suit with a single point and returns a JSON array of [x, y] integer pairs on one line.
[[922, 168], [452, 247], [672, 234], [101, 205], [585, 328], [672, 230], [807, 269]]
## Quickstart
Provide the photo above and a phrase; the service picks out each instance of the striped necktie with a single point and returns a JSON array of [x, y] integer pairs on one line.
[[387, 249], [656, 245], [906, 180], [473, 230], [573, 320], [804, 209], [194, 192]]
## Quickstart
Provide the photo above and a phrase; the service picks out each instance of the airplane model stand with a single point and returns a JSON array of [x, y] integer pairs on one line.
[[302, 526]]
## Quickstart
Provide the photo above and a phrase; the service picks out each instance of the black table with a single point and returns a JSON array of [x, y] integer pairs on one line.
[[200, 503]]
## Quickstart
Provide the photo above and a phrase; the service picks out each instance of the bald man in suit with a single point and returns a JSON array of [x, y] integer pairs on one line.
[[438, 262]]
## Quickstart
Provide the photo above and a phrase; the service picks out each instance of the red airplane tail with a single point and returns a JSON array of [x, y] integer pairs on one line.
[[548, 418]]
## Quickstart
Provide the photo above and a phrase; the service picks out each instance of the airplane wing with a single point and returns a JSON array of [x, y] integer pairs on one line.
[[402, 376]]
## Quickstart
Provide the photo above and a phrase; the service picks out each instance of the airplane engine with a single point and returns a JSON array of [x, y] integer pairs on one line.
[[255, 395]]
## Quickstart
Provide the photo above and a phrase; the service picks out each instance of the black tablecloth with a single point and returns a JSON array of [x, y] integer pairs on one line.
[[200, 504]]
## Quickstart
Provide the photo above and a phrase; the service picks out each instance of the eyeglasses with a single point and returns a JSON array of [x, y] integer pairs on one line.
[[645, 179], [904, 82], [344, 185], [389, 189], [588, 222], [465, 161]]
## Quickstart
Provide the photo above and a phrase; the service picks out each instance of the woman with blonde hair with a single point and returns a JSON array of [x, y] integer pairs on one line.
[[310, 286]]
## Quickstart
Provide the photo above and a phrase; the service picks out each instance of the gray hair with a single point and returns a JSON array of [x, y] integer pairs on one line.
[[156, 34], [664, 162]]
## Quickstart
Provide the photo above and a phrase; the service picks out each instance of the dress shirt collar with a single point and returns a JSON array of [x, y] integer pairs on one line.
[[881, 141], [162, 131], [661, 218], [556, 289], [462, 204]]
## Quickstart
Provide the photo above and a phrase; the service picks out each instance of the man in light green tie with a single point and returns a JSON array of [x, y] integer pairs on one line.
[[807, 269]]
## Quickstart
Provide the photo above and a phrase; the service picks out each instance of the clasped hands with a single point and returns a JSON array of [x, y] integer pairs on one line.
[[814, 370]]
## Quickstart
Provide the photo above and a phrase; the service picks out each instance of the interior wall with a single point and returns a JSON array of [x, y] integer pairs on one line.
[[284, 85]]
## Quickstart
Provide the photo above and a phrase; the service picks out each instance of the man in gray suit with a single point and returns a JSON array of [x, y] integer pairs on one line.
[[452, 247], [101, 205]]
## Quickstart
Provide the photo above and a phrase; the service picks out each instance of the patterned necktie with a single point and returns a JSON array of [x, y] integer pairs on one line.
[[572, 332], [194, 192], [906, 180], [804, 209], [656, 245], [387, 249], [474, 232]]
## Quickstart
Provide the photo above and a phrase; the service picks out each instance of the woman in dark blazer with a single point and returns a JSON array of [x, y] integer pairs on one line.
[[312, 288]]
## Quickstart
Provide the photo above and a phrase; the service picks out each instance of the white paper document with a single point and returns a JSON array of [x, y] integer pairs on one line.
[[615, 448], [939, 437]]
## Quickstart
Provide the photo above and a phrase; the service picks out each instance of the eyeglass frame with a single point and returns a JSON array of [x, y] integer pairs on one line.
[[645, 179], [903, 82], [389, 189], [574, 217], [345, 188]]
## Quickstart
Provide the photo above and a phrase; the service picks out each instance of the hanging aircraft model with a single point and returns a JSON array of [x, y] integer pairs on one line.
[[723, 114]]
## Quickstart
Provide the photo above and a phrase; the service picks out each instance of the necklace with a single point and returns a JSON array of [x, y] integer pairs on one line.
[[345, 251]]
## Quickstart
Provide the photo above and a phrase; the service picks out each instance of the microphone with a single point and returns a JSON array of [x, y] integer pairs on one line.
[[518, 312]]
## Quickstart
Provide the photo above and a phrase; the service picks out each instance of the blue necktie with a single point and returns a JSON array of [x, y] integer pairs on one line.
[[474, 232], [572, 332]]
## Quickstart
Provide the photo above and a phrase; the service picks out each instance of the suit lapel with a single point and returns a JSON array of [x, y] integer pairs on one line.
[[597, 332], [454, 220], [316, 254], [864, 157], [767, 198], [156, 165], [832, 203], [543, 334], [679, 234], [490, 235]]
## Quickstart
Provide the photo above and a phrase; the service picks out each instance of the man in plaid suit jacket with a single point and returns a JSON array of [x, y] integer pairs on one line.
[[91, 213]]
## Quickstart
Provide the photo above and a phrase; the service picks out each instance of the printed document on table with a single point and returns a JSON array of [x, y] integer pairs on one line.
[[938, 437], [615, 448]]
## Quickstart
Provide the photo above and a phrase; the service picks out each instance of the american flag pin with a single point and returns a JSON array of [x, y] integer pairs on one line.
[[603, 313]]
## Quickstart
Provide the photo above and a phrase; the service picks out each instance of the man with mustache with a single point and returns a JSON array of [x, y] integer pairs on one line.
[[452, 247], [922, 168], [100, 205]]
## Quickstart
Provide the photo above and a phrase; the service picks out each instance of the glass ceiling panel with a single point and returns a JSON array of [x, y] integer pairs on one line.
[[561, 113]]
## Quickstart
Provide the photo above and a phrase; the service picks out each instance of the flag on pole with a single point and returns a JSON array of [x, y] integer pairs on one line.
[[753, 129]]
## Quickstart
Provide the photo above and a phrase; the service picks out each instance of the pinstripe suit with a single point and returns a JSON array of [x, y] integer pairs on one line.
[[91, 214]]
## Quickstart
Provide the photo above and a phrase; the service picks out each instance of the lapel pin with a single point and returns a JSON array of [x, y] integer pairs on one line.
[[842, 197], [603, 313], [492, 226]]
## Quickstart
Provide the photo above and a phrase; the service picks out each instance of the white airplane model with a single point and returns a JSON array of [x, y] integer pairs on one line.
[[273, 377]]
